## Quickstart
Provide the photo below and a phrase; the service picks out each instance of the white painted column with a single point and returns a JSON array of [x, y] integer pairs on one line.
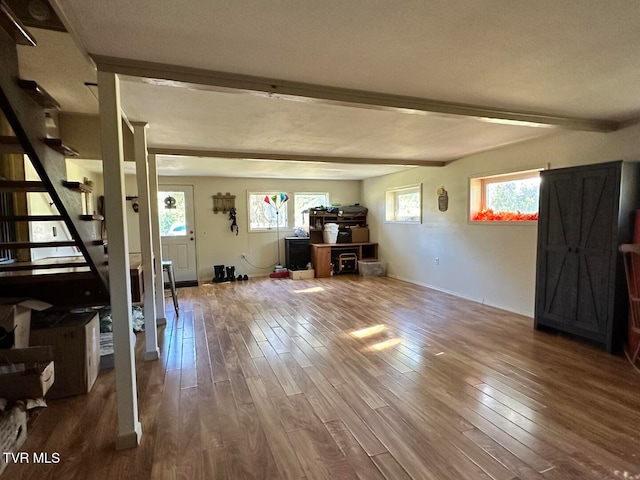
[[129, 427], [146, 243], [155, 236]]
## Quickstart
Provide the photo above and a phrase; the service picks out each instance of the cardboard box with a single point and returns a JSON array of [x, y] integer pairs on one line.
[[26, 372], [15, 316], [13, 433], [359, 234], [301, 274], [75, 338]]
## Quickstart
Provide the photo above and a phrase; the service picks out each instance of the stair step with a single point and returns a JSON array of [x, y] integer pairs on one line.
[[31, 218], [77, 186], [24, 266], [89, 218], [9, 23], [15, 245], [21, 186], [60, 147], [10, 145], [39, 94]]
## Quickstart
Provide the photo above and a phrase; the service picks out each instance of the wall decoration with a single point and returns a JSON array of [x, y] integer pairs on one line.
[[277, 202], [223, 203], [234, 223], [443, 199]]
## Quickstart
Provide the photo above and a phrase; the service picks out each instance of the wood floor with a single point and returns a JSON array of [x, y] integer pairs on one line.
[[280, 379]]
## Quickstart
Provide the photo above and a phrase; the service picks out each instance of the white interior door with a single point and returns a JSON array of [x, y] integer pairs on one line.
[[177, 230]]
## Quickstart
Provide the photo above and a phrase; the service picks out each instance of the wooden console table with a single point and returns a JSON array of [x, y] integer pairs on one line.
[[321, 254]]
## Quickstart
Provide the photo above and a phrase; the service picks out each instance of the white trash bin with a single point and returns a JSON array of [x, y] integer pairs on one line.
[[330, 233]]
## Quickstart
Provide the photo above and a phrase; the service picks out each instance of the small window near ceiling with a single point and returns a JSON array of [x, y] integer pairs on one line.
[[404, 204], [266, 211], [508, 197], [304, 201]]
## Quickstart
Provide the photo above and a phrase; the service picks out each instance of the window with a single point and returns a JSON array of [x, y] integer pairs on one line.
[[265, 209], [302, 202], [510, 197], [172, 214], [404, 204]]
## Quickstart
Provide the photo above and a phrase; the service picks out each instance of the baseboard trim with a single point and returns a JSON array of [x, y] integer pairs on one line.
[[466, 297], [185, 283]]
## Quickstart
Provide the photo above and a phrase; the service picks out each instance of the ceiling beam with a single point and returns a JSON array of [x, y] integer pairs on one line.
[[193, 78], [292, 157]]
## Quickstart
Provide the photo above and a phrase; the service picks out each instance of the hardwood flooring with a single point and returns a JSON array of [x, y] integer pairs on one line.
[[352, 378]]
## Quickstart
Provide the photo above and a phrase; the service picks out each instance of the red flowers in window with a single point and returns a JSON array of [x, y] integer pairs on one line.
[[489, 215]]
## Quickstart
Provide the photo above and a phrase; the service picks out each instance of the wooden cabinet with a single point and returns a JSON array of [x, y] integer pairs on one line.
[[321, 259], [317, 221], [585, 213], [325, 254]]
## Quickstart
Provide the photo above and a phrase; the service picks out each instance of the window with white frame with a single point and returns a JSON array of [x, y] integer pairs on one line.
[[303, 201], [266, 210], [507, 197], [404, 204]]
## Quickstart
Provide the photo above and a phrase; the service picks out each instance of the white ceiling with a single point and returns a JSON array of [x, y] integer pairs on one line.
[[573, 59]]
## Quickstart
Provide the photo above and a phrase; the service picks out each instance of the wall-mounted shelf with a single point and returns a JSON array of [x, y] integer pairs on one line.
[[39, 94], [57, 145], [223, 203], [78, 186], [9, 23], [88, 218]]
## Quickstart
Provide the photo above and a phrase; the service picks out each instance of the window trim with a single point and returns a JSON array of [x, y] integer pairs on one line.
[[476, 192], [397, 190], [306, 224], [268, 193]]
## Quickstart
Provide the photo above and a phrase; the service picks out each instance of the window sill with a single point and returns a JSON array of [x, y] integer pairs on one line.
[[403, 222], [503, 222]]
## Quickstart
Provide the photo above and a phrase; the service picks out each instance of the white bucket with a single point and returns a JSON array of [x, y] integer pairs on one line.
[[330, 233]]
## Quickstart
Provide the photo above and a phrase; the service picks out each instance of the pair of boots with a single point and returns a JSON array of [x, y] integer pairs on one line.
[[219, 273], [226, 274]]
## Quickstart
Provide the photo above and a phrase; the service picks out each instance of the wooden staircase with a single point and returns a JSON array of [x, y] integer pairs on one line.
[[63, 282]]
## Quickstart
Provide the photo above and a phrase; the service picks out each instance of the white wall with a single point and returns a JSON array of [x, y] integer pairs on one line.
[[215, 242], [494, 264]]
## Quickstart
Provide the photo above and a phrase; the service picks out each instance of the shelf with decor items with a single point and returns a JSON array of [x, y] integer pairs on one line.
[[351, 220]]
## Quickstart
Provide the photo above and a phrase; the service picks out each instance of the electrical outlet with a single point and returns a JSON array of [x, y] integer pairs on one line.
[[437, 259]]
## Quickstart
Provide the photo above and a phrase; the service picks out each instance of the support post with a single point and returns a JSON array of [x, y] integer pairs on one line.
[[155, 236], [146, 242], [129, 427]]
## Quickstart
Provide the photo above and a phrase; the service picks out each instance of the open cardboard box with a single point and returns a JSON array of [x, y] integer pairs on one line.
[[15, 315], [75, 339], [26, 372]]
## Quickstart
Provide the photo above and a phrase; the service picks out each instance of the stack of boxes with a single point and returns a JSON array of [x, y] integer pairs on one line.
[[54, 354]]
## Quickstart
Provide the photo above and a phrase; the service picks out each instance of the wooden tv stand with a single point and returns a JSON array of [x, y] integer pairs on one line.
[[321, 254]]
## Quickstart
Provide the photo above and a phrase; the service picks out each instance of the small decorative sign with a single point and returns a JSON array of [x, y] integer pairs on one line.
[[443, 199]]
